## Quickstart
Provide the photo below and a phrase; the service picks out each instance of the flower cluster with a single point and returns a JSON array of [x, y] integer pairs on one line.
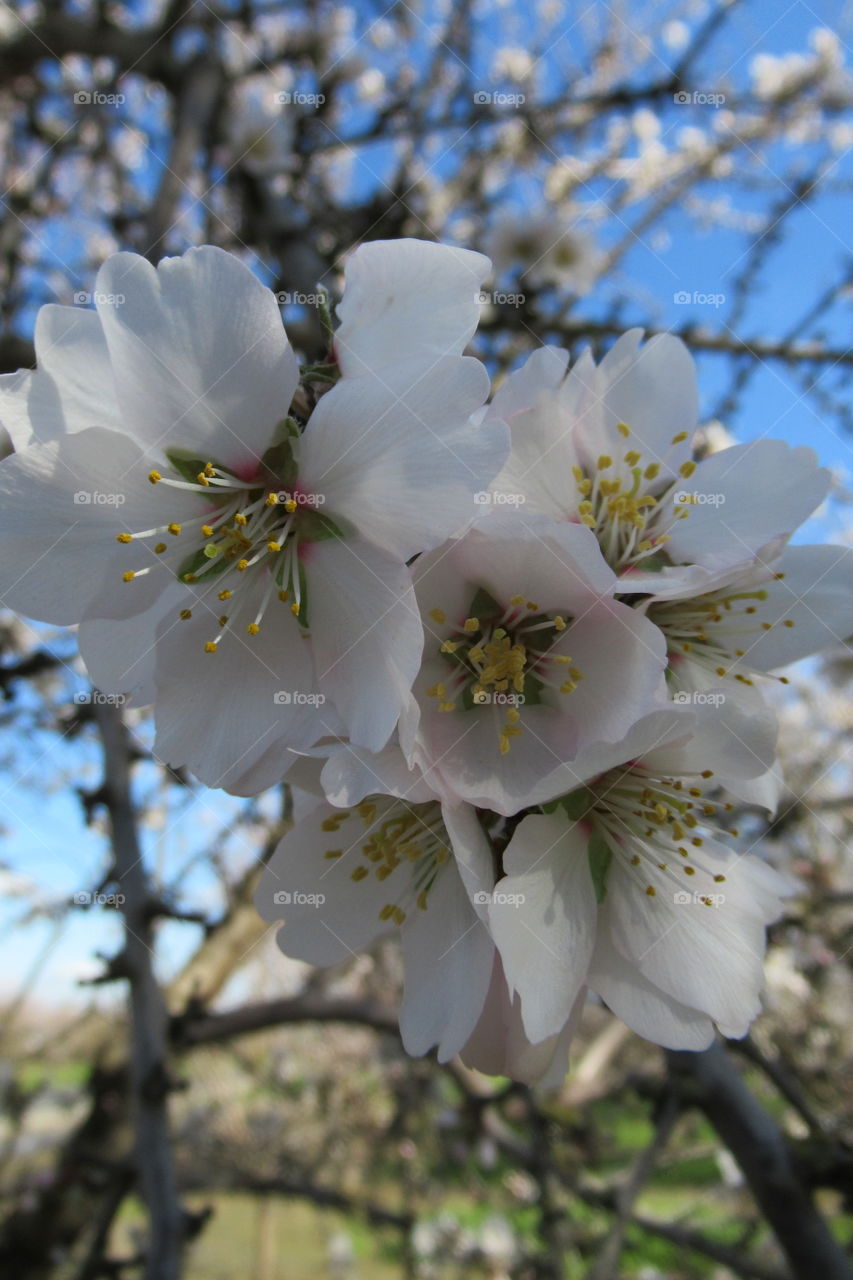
[[516, 644]]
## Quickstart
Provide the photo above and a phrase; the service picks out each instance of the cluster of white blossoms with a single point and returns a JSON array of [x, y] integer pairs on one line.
[[516, 646]]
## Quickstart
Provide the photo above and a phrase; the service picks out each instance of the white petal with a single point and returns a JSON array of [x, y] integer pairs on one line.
[[396, 455], [499, 1046], [407, 299], [351, 773], [815, 595], [328, 916], [543, 919], [642, 1007], [219, 713], [448, 956], [200, 357], [760, 491], [366, 634]]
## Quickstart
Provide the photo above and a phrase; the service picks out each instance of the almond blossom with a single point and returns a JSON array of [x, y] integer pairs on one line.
[[222, 532]]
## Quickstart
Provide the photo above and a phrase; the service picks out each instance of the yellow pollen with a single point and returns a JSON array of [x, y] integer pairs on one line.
[[290, 506], [360, 873], [650, 890], [632, 458], [128, 576], [225, 594], [604, 462], [680, 438], [174, 529], [123, 537], [719, 879], [210, 646], [253, 629], [450, 646], [202, 479], [532, 606], [690, 871], [516, 600], [272, 500], [273, 546], [438, 615], [160, 548], [242, 565], [471, 624], [207, 530], [686, 469], [282, 595], [447, 706], [652, 471], [186, 614], [436, 691], [223, 619], [240, 519], [623, 429], [154, 477], [190, 577], [294, 608], [422, 900]]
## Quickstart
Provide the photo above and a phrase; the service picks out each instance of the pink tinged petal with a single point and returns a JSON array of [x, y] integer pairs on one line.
[[366, 634], [543, 919], [642, 1007], [396, 455], [499, 1046], [62, 505], [448, 958], [220, 713], [472, 851], [328, 917], [758, 492], [407, 299], [200, 357], [809, 609], [537, 478], [731, 739]]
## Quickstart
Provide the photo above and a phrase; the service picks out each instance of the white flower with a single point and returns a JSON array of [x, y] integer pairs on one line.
[[528, 659], [242, 562], [546, 249], [609, 445], [344, 877], [261, 125], [624, 887]]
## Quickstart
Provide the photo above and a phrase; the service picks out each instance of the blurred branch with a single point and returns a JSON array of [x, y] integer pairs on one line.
[[710, 1081], [148, 1059]]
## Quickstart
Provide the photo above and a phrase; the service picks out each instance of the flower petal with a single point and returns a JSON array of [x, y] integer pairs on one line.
[[366, 634], [642, 1007], [199, 354], [407, 299]]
